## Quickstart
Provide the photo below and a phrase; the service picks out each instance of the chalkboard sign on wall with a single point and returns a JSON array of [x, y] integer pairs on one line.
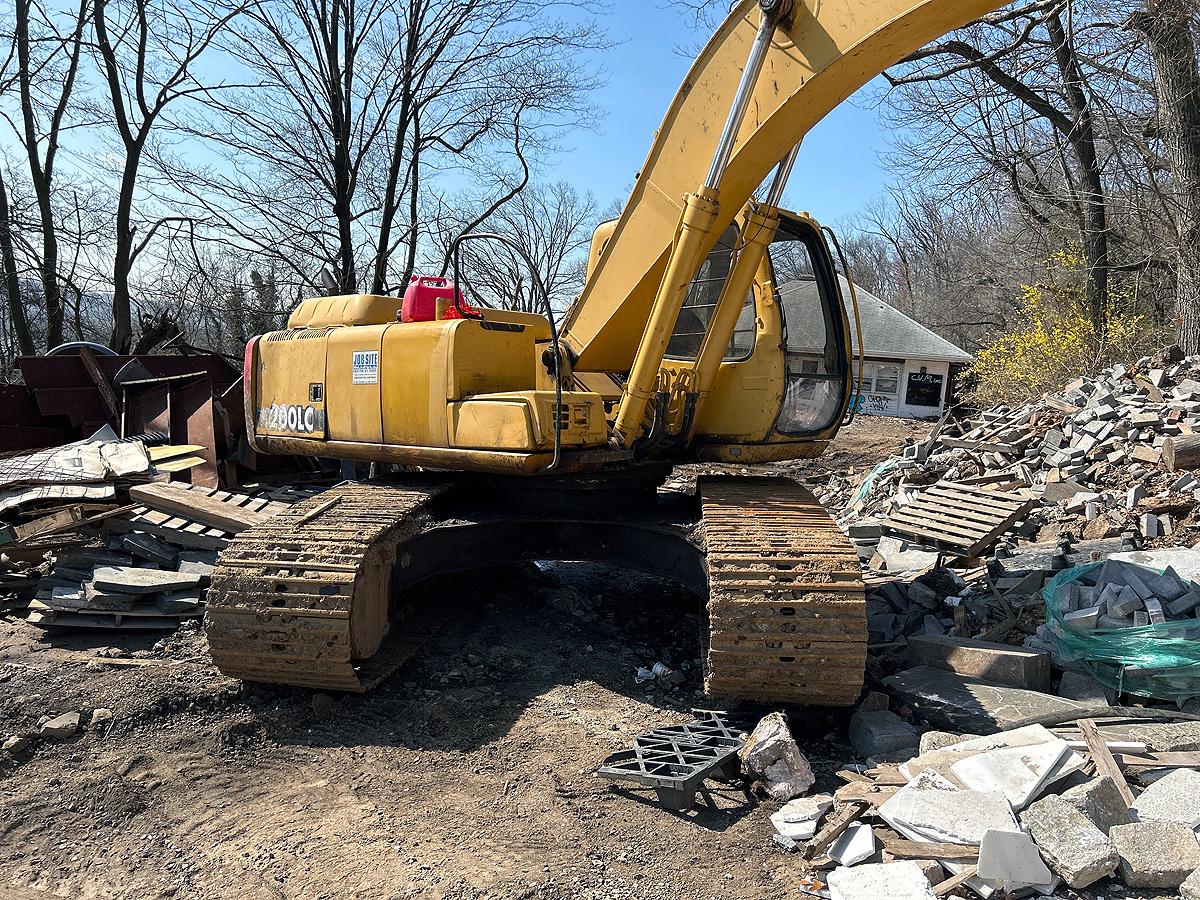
[[924, 389]]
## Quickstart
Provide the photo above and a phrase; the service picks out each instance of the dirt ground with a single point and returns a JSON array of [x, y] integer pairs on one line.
[[468, 774]]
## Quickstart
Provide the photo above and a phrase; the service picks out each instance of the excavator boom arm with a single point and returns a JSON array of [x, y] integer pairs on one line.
[[822, 52]]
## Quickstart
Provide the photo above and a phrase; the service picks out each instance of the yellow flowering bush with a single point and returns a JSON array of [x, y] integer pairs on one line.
[[1051, 342]]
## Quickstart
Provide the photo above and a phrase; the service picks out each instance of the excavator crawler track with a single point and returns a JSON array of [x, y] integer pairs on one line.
[[787, 614], [305, 598], [308, 597]]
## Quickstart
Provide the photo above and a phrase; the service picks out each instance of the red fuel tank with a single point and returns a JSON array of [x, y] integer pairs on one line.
[[422, 296]]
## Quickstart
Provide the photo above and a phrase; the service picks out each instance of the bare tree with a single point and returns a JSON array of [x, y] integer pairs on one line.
[[1169, 29], [45, 54], [148, 56], [551, 224], [363, 106]]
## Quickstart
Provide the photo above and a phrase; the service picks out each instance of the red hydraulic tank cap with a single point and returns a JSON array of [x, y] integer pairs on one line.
[[422, 296]]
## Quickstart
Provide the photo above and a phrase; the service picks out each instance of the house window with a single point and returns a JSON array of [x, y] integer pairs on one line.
[[887, 379]]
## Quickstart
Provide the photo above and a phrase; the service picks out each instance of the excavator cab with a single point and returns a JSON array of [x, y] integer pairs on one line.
[[783, 385]]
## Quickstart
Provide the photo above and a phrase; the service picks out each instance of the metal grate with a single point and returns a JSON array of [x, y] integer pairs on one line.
[[675, 759]]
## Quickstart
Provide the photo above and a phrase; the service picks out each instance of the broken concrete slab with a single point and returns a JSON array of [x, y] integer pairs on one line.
[[941, 760], [1190, 889], [1084, 688], [896, 881], [937, 812], [146, 547], [949, 701], [1173, 798], [1155, 854], [127, 580], [1185, 562], [1070, 842], [856, 844], [875, 732], [1010, 861], [1019, 773], [1101, 803], [798, 819], [998, 663], [936, 740]]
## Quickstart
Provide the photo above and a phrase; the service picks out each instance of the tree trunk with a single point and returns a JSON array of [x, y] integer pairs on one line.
[[12, 284], [1082, 138], [122, 331], [1167, 25]]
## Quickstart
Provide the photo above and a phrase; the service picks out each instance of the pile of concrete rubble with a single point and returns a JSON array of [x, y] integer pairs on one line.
[[1090, 454], [1023, 811]]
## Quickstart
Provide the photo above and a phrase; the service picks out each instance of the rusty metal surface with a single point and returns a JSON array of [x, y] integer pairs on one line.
[[305, 598], [308, 598], [786, 609]]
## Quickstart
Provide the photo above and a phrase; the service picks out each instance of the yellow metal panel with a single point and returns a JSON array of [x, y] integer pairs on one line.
[[478, 425], [414, 411], [486, 359], [493, 424], [348, 309], [288, 365], [352, 385], [829, 50]]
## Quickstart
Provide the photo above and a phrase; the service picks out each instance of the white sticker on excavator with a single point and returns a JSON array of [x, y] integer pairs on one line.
[[364, 367]]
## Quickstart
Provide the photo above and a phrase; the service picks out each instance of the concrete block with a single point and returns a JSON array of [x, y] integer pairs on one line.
[[1149, 525], [1155, 612], [1084, 618], [1101, 802], [1114, 622], [881, 731], [1019, 773], [1155, 854], [1010, 860], [1173, 798], [1190, 889], [997, 663], [1141, 619], [1123, 602], [1073, 846], [1085, 688], [1185, 604], [896, 881], [856, 844]]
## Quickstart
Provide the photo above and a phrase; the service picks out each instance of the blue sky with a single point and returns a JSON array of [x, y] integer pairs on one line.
[[840, 168]]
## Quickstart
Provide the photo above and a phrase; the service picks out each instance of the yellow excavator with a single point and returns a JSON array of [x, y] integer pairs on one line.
[[712, 327]]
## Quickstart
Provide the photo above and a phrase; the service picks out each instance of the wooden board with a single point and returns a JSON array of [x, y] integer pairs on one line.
[[232, 514], [963, 518]]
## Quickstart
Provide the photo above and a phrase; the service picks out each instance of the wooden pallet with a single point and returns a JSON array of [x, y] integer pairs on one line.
[[182, 530], [961, 518], [139, 618]]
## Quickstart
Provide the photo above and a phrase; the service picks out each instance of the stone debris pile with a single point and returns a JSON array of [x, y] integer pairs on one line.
[[1079, 803], [1103, 457]]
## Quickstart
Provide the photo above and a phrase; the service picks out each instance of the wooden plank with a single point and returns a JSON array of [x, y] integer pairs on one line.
[[1103, 758], [950, 885], [106, 392], [953, 494], [903, 849], [834, 827], [1159, 760], [208, 510], [946, 515], [171, 451]]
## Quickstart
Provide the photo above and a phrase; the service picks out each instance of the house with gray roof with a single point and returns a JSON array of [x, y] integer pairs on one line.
[[908, 371]]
